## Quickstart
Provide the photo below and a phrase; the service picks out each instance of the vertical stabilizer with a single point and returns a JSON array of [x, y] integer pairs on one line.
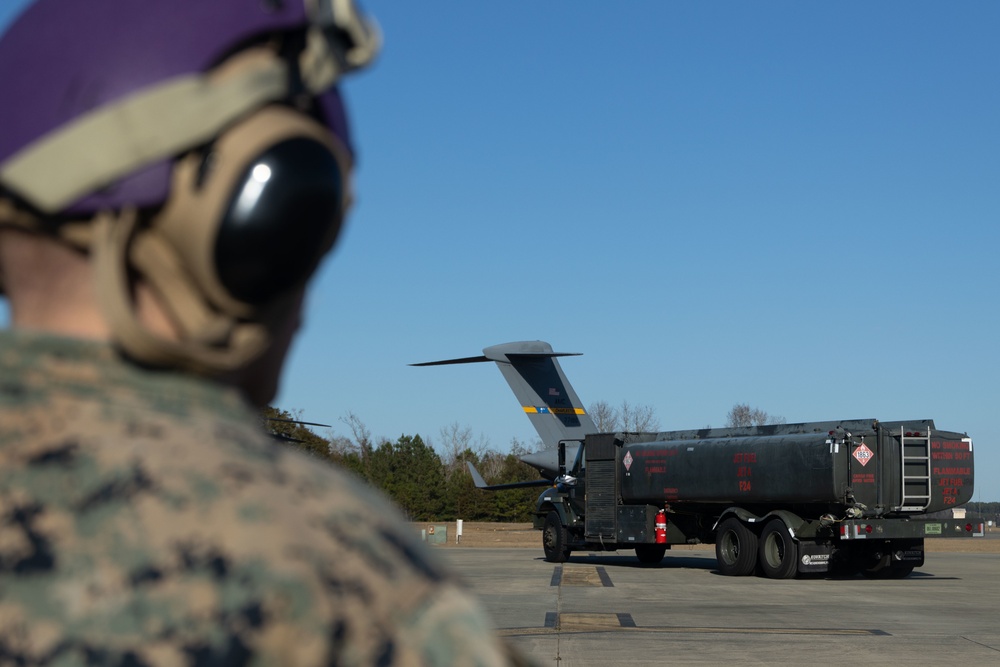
[[546, 396], [541, 388]]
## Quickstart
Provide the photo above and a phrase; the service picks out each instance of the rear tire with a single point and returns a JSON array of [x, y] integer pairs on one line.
[[777, 553], [650, 554], [735, 548], [555, 540]]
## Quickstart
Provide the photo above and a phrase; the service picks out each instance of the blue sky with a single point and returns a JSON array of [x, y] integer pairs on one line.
[[792, 205]]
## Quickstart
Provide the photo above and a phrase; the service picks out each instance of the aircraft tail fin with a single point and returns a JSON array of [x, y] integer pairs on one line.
[[541, 388]]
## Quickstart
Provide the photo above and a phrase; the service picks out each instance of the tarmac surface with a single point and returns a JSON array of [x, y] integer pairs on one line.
[[606, 609]]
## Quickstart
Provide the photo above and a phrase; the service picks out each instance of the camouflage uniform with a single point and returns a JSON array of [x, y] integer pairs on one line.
[[146, 520]]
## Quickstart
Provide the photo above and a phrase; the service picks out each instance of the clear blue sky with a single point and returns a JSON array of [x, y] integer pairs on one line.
[[793, 205]]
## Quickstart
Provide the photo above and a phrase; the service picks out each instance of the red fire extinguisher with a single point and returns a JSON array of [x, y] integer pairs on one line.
[[661, 527]]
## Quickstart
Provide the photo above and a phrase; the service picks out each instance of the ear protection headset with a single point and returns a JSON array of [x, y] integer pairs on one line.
[[257, 195], [248, 220]]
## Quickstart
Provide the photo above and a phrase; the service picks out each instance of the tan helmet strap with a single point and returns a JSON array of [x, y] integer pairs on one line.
[[112, 237], [160, 266], [15, 216], [152, 124], [74, 232]]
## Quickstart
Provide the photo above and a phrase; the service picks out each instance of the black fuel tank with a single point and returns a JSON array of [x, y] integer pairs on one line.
[[896, 467], [739, 471]]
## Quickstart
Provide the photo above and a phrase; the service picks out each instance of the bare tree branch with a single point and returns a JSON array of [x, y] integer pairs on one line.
[[628, 417], [743, 415], [604, 416]]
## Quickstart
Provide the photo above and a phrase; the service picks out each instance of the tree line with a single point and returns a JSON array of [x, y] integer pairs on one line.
[[431, 484], [988, 510], [425, 485]]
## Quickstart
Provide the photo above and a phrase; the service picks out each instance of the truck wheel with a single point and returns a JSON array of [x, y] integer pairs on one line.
[[735, 548], [650, 554], [555, 541], [777, 555]]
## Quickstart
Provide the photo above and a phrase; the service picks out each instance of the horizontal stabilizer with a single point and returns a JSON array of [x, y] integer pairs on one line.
[[506, 353], [480, 483], [463, 360], [296, 421], [541, 388]]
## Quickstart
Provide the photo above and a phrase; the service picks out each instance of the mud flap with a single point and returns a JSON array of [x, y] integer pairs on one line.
[[907, 552], [814, 558]]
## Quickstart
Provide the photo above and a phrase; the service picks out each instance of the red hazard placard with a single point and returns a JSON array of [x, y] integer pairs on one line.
[[863, 454], [627, 460]]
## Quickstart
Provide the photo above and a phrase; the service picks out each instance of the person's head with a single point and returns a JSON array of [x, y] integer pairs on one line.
[[172, 172]]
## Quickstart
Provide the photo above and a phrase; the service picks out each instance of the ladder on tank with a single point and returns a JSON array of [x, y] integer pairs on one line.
[[915, 448]]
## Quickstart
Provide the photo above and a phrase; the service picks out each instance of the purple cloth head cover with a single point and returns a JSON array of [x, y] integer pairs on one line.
[[62, 58]]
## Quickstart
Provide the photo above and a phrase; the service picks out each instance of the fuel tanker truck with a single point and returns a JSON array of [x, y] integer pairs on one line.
[[777, 500]]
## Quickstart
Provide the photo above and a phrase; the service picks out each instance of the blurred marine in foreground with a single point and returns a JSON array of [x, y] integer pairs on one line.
[[171, 175]]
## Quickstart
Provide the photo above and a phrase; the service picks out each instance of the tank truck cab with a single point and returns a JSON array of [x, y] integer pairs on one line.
[[560, 509]]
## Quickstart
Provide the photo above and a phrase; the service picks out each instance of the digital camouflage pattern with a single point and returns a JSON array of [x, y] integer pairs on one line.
[[146, 520]]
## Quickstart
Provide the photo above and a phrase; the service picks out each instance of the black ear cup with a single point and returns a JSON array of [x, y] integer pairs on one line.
[[284, 214]]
